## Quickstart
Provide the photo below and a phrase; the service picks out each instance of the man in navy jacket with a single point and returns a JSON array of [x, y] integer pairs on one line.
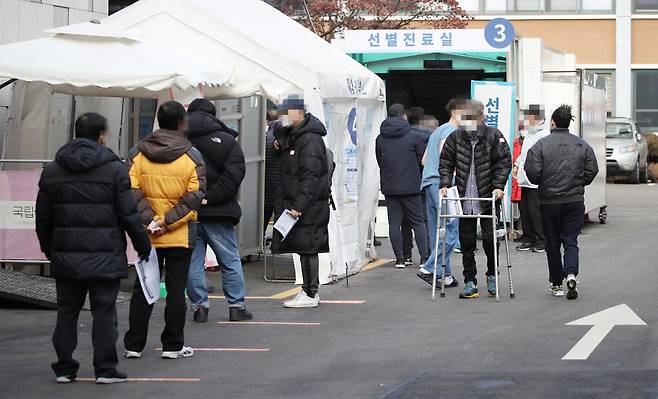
[[399, 154]]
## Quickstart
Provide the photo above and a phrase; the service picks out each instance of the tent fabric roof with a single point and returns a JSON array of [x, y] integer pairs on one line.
[[104, 64], [235, 48]]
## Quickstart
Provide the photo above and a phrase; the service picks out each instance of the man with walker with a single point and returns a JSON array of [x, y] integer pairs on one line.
[[479, 157]]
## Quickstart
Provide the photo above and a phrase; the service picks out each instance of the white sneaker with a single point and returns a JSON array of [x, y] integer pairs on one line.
[[132, 354], [400, 265], [186, 351], [65, 379], [555, 290], [295, 298], [303, 301]]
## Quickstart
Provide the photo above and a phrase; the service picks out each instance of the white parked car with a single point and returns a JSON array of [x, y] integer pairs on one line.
[[626, 150]]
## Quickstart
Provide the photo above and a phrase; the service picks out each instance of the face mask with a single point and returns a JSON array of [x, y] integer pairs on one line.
[[469, 125], [285, 120]]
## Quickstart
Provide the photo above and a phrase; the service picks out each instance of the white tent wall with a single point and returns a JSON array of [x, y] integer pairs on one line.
[[224, 50], [29, 116]]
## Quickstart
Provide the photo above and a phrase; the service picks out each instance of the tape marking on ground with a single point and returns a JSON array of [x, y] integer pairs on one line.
[[227, 349], [375, 264], [148, 379], [270, 323]]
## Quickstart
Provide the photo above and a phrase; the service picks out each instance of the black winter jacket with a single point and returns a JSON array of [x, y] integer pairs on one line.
[[493, 161], [225, 167], [399, 154], [562, 164], [84, 208], [304, 187], [272, 166]]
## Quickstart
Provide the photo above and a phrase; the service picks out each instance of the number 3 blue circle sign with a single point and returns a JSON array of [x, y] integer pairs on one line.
[[499, 33]]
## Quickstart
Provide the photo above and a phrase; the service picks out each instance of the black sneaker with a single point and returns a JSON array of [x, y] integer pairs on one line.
[[572, 290], [201, 314], [539, 248], [113, 378], [239, 314], [408, 261], [525, 247], [428, 278]]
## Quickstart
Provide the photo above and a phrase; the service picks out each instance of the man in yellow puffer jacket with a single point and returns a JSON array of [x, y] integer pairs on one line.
[[168, 179]]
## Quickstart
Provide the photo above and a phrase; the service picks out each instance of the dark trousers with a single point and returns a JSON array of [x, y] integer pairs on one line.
[[562, 225], [531, 215], [310, 274], [409, 206], [407, 232], [176, 265], [467, 238], [407, 238], [71, 296]]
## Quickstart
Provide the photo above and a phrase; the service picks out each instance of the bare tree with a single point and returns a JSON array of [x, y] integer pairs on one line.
[[328, 17]]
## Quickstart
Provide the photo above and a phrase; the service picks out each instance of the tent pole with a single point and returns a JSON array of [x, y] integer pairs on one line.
[[7, 83]]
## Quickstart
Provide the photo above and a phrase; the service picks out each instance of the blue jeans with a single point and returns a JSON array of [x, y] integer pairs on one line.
[[221, 239], [452, 232]]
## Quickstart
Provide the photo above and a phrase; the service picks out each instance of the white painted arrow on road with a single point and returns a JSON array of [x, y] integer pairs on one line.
[[602, 323]]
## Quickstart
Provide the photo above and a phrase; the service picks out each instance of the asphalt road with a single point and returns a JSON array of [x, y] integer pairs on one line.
[[397, 344]]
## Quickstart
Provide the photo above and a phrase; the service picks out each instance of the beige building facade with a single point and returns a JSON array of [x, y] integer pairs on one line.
[[616, 38]]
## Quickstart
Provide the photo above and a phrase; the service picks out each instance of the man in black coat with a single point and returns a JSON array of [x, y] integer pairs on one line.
[[478, 157], [416, 118], [304, 194], [562, 164], [219, 213], [84, 208], [399, 154]]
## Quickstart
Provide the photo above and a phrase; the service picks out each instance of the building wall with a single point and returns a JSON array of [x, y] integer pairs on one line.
[[593, 41], [618, 42], [643, 40]]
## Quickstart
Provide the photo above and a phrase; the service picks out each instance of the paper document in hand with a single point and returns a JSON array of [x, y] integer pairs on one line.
[[285, 223], [454, 207], [149, 277]]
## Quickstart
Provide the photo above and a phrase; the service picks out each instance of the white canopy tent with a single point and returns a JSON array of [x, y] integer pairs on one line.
[[183, 49]]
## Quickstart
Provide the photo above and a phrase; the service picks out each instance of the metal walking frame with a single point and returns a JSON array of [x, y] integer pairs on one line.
[[441, 220]]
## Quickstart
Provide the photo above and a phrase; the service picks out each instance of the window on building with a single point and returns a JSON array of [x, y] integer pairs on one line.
[[646, 5], [645, 104], [495, 5], [471, 6], [528, 5], [597, 5], [535, 6], [562, 5], [504, 6]]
